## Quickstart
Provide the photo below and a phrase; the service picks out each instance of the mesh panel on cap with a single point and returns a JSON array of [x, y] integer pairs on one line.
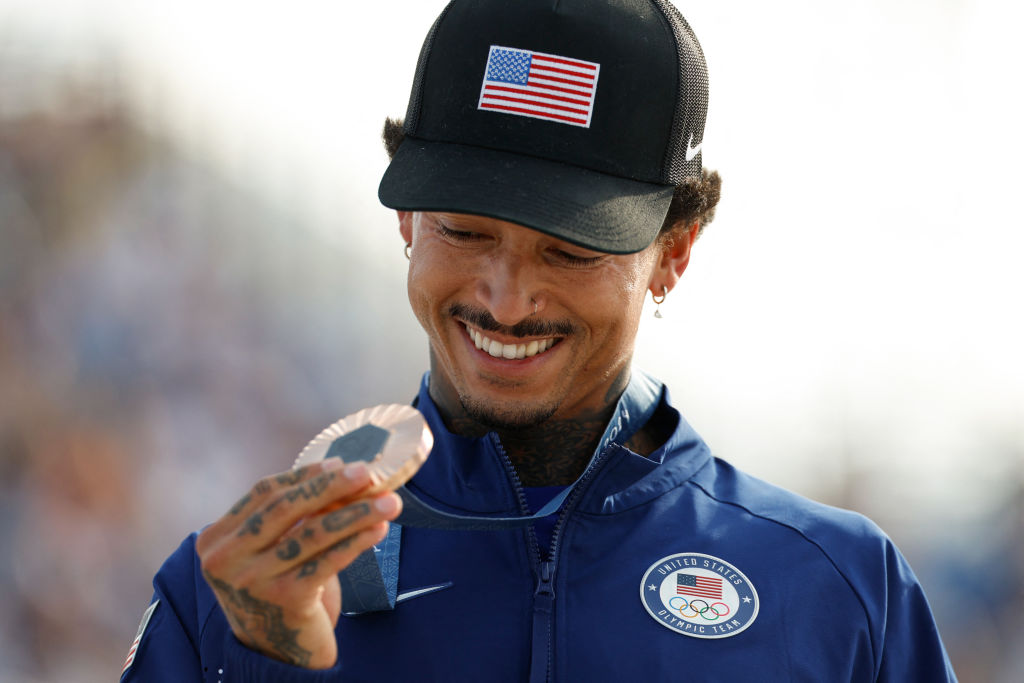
[[412, 112], [692, 98]]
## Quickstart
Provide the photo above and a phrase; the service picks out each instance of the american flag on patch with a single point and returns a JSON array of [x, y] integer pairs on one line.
[[138, 636], [700, 586], [539, 85]]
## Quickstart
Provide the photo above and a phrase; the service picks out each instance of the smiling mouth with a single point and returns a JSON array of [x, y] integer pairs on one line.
[[510, 351]]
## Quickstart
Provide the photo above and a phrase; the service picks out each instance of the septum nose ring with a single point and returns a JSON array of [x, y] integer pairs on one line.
[[534, 306]]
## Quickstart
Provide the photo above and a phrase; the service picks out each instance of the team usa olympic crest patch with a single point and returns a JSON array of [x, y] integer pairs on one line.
[[699, 595]]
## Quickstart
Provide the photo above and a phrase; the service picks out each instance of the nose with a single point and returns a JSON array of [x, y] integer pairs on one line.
[[506, 288]]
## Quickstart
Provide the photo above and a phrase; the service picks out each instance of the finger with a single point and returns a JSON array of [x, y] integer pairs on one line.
[[287, 507], [259, 494], [337, 556], [317, 534], [235, 540]]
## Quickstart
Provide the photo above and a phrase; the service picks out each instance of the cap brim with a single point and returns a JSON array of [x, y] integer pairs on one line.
[[591, 209]]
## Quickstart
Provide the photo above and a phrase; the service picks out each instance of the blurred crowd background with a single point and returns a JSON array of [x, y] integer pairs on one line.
[[195, 278]]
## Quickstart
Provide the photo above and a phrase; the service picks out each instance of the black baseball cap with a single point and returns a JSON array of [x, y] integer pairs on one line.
[[572, 117]]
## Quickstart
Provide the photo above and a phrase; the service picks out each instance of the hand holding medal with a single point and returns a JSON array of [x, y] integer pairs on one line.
[[273, 559]]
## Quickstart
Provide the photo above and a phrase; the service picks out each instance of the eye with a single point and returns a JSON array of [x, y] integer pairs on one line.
[[576, 261], [458, 235]]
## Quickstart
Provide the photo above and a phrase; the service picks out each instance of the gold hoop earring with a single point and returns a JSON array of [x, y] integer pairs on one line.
[[659, 300], [408, 251]]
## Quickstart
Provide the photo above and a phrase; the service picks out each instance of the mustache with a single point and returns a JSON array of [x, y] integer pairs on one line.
[[483, 321]]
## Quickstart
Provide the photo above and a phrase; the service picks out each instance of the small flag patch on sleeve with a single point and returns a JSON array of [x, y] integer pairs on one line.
[[147, 615], [539, 85]]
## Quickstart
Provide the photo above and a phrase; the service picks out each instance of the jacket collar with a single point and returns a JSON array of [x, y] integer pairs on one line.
[[473, 476]]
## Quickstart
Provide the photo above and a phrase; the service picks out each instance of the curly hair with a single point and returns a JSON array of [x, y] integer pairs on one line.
[[693, 201]]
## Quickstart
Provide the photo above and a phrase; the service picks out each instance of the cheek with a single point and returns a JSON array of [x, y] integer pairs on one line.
[[431, 283], [615, 313], [420, 298], [634, 287], [417, 289], [623, 310]]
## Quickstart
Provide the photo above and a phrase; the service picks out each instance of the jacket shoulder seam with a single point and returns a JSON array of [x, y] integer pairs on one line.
[[799, 532]]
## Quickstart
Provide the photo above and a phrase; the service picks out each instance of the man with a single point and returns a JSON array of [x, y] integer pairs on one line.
[[547, 176]]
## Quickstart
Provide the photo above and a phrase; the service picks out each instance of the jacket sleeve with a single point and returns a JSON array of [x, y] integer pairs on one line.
[[243, 664], [911, 648], [166, 647], [184, 636]]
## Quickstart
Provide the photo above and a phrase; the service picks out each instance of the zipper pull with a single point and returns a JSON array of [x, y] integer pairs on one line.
[[544, 586]]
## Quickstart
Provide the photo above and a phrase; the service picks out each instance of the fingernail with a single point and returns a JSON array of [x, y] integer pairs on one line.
[[356, 470], [331, 464], [386, 505]]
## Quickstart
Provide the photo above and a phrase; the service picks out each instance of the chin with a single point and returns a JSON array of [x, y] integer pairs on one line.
[[502, 416]]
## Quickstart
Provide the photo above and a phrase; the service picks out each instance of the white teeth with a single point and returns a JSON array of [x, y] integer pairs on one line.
[[509, 351]]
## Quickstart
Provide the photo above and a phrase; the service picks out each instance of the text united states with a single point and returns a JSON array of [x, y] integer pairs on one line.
[[539, 85], [699, 586]]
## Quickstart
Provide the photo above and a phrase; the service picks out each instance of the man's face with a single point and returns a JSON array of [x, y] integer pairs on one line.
[[473, 285]]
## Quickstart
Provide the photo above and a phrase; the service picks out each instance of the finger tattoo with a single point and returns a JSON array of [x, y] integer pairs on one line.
[[289, 478], [309, 491], [308, 569], [241, 504], [290, 550], [341, 519], [252, 525], [343, 544]]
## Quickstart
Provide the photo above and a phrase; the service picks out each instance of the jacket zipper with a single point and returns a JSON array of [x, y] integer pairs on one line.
[[543, 623], [542, 651]]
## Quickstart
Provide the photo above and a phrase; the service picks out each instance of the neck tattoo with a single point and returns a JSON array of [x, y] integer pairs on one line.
[[553, 453]]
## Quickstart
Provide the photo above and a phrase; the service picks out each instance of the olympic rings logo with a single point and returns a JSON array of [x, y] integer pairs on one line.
[[699, 608]]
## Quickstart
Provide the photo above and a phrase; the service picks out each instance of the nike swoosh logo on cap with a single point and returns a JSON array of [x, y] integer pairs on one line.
[[692, 151]]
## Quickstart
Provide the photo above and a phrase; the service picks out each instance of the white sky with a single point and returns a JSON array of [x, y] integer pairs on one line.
[[860, 286]]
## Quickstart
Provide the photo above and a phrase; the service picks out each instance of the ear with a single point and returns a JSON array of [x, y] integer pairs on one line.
[[405, 225], [673, 259]]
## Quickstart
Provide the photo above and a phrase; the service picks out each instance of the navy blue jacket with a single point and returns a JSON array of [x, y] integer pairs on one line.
[[673, 566]]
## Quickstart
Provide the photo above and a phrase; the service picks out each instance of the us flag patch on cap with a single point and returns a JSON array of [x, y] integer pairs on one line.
[[538, 85], [138, 636]]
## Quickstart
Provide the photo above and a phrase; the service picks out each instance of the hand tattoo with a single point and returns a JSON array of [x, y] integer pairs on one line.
[[256, 621]]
